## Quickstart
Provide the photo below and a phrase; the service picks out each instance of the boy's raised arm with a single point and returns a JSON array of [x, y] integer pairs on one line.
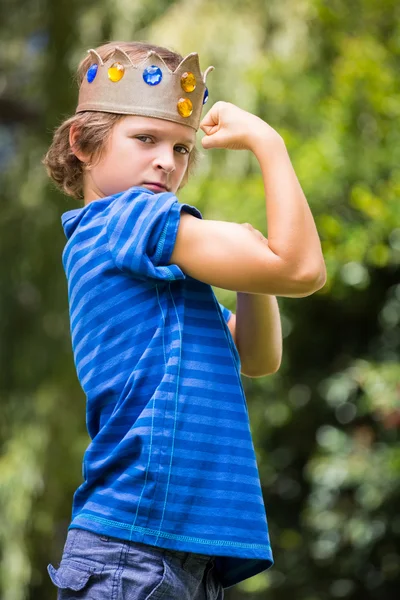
[[230, 256]]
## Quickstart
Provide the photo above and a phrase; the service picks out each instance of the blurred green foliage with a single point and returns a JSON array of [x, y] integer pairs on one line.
[[325, 75]]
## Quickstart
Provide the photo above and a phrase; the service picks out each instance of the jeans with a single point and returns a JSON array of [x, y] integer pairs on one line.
[[97, 567]]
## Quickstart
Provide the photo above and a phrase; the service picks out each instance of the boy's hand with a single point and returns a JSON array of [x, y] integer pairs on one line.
[[228, 126]]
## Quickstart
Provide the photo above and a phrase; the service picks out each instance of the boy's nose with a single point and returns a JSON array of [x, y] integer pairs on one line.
[[165, 161]]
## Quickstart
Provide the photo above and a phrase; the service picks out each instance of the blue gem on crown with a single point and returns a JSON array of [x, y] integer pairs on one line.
[[152, 75], [92, 72], [205, 96]]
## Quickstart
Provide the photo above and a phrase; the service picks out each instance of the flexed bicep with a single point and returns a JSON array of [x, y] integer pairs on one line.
[[233, 257]]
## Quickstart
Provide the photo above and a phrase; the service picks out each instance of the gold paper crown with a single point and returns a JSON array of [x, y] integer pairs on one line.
[[148, 89]]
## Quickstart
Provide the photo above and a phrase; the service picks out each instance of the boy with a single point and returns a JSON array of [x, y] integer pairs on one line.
[[170, 472]]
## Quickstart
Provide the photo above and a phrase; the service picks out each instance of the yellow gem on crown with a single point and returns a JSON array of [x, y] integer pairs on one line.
[[116, 72], [185, 107], [188, 82]]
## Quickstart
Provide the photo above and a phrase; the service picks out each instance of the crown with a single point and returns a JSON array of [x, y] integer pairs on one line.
[[148, 89]]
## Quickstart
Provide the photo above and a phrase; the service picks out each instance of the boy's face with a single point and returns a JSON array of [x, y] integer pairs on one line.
[[141, 151]]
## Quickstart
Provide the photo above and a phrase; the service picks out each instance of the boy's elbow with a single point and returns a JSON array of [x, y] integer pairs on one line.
[[253, 371], [319, 279], [313, 281]]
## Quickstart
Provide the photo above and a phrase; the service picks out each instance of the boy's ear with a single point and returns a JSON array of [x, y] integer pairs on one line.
[[73, 142]]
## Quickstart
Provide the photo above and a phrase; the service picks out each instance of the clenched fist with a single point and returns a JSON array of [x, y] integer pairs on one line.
[[228, 126]]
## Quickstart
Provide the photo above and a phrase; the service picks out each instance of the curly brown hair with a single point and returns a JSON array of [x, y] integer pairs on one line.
[[94, 127]]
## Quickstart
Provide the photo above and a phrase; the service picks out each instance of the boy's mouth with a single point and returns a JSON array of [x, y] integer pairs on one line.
[[158, 187]]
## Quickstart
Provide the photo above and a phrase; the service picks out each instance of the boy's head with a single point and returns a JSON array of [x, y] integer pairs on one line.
[[96, 154]]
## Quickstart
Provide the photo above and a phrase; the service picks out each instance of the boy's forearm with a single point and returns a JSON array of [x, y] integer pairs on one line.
[[258, 334], [292, 233]]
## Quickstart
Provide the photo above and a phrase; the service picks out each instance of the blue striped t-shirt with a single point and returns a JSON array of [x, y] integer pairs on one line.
[[171, 461]]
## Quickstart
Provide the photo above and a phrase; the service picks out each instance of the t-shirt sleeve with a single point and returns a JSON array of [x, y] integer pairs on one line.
[[226, 313], [142, 229]]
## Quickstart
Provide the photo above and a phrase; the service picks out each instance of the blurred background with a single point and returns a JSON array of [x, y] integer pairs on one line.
[[326, 75]]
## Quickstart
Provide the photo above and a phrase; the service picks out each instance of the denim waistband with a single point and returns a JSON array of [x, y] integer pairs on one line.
[[186, 559]]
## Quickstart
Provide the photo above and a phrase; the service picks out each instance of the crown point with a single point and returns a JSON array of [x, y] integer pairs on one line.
[[121, 56], [189, 63], [95, 56], [206, 72], [156, 59]]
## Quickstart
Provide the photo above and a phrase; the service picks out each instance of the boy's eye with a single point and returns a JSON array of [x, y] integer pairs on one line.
[[146, 139], [143, 138], [182, 149]]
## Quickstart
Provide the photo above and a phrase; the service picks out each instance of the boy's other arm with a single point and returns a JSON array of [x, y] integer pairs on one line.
[[257, 332]]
